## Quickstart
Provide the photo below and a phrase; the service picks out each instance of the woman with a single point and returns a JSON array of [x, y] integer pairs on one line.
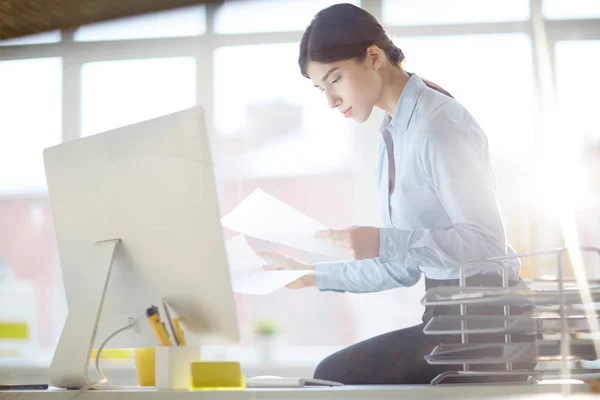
[[436, 185]]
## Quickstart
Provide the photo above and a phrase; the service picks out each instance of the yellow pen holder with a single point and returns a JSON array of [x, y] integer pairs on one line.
[[145, 362], [178, 368], [223, 375]]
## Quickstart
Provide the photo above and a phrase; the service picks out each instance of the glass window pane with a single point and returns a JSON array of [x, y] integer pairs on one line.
[[277, 103], [38, 38], [247, 16], [188, 21], [275, 131], [577, 82], [118, 93], [30, 293], [432, 12], [31, 121], [578, 85], [491, 75], [572, 9]]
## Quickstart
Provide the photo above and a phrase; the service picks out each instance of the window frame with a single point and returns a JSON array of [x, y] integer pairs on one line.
[[544, 34]]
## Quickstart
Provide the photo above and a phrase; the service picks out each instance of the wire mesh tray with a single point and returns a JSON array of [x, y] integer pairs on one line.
[[537, 322], [514, 296], [500, 353], [512, 377]]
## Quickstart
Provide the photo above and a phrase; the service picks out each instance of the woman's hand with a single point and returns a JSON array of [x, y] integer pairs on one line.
[[287, 263], [361, 241]]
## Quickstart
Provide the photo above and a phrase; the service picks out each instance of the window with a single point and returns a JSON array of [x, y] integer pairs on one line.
[[278, 113], [572, 9], [432, 12], [275, 131], [188, 21], [247, 16], [31, 121], [119, 93], [38, 38], [577, 83], [491, 75]]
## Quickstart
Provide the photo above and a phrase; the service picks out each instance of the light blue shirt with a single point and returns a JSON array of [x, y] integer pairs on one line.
[[443, 208]]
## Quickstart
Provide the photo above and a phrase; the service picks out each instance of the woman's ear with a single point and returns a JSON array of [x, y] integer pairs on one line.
[[374, 57]]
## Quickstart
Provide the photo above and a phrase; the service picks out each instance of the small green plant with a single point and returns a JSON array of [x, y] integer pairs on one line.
[[267, 327]]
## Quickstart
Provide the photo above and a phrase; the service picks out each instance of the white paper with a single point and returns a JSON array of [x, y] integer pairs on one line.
[[263, 216], [241, 255], [268, 381], [247, 271], [259, 281]]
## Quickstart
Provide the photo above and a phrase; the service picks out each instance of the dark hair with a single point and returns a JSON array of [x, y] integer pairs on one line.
[[343, 32]]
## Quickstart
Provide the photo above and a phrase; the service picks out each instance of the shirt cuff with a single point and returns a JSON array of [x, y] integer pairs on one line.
[[393, 245], [328, 276]]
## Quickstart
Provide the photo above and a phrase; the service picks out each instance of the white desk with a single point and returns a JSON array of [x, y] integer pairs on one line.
[[516, 392], [123, 372]]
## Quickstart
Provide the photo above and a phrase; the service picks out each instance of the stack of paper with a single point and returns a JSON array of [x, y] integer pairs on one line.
[[247, 270], [262, 216]]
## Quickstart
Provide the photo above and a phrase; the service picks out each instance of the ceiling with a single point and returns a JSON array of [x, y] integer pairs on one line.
[[25, 17]]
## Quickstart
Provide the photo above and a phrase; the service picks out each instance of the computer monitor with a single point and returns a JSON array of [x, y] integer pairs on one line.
[[137, 220]]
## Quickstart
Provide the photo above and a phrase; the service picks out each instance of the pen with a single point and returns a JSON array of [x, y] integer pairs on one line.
[[168, 315], [24, 387], [159, 327], [179, 332]]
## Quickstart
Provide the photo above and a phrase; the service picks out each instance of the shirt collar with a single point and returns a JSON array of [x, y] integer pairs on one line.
[[406, 105]]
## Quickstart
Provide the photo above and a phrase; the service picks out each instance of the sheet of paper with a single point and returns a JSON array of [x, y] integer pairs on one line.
[[247, 270], [259, 281], [241, 255], [263, 216], [267, 381]]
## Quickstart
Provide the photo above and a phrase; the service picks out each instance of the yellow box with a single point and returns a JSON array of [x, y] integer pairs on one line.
[[217, 375], [14, 330]]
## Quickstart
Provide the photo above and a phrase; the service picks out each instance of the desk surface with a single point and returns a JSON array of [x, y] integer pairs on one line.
[[534, 392]]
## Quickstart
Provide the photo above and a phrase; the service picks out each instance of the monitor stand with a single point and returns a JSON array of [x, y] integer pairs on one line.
[[69, 367]]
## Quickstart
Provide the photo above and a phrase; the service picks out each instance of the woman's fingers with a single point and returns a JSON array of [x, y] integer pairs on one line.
[[269, 254], [282, 262], [336, 237], [297, 284], [273, 267], [278, 258], [333, 235]]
